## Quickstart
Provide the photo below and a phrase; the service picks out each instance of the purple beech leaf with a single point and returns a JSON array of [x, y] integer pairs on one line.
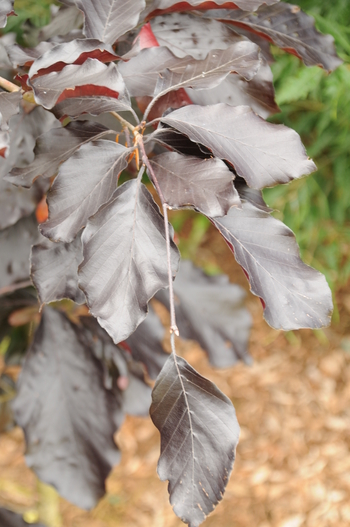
[[295, 295], [211, 311], [252, 195], [64, 23], [93, 78], [107, 20], [145, 344], [15, 246], [185, 34], [258, 93], [289, 28], [9, 106], [6, 9], [205, 184], [84, 182], [263, 154], [168, 137], [56, 146], [125, 260], [199, 435], [120, 369], [67, 415], [11, 519], [141, 73], [20, 56], [241, 58], [54, 270], [24, 129], [159, 7], [74, 52], [76, 107]]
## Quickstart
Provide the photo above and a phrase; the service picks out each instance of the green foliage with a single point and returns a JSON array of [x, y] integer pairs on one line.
[[317, 106], [30, 13]]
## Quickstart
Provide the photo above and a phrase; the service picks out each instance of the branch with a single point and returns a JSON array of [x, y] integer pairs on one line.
[[8, 86], [173, 327], [14, 287]]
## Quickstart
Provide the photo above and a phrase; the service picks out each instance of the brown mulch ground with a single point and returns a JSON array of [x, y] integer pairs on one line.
[[293, 459]]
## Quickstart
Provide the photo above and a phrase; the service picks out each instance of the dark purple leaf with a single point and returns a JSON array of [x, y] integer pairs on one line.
[[168, 137], [205, 184], [84, 182], [120, 370], [24, 128], [11, 519], [252, 195], [159, 7], [74, 52], [145, 344], [56, 146], [126, 264], [210, 310], [93, 78], [76, 107], [263, 154], [185, 34], [199, 435], [20, 56], [64, 23], [107, 20], [6, 9], [295, 295], [15, 246], [141, 73], [289, 28], [68, 417], [9, 106], [258, 93], [54, 270], [241, 58]]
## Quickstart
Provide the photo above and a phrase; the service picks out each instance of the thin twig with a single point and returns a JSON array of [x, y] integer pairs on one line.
[[14, 287], [123, 121], [8, 86], [173, 327]]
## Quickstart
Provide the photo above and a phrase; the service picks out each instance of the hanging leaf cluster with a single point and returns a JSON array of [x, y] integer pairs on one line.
[[180, 92]]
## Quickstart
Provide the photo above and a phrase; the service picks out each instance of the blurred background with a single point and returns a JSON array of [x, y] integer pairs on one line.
[[293, 460]]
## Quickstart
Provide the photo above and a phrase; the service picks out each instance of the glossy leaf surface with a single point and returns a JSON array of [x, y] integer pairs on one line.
[[56, 146], [159, 7], [295, 295], [107, 20], [54, 270], [78, 81], [205, 184], [84, 182], [263, 154], [15, 246], [199, 435], [68, 417], [6, 9], [289, 28], [73, 52], [125, 264], [241, 58]]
